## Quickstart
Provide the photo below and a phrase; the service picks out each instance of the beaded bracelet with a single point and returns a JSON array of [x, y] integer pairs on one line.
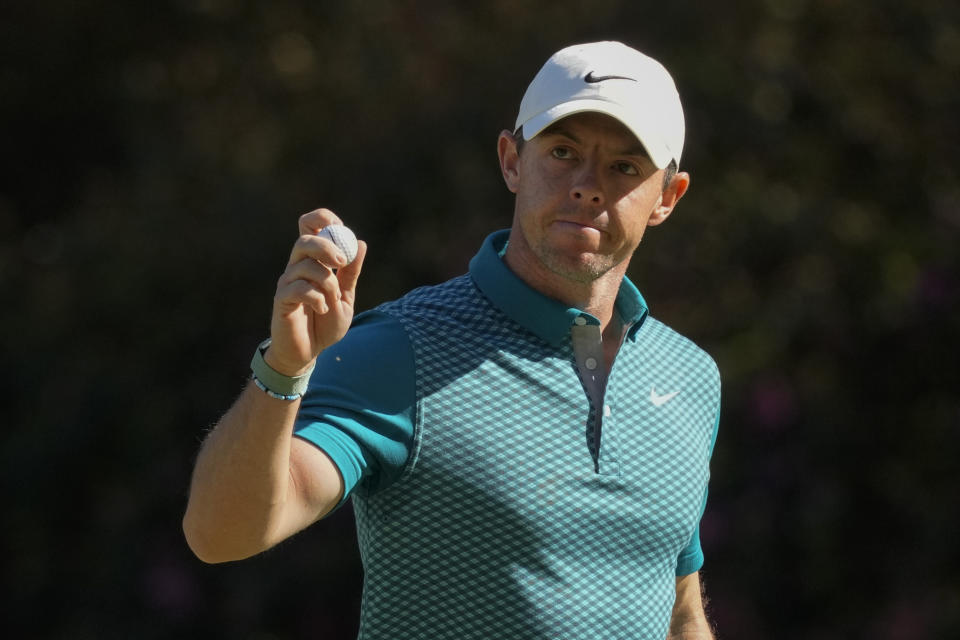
[[278, 396]]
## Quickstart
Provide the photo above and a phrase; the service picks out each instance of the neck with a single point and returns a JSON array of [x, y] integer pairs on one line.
[[596, 296]]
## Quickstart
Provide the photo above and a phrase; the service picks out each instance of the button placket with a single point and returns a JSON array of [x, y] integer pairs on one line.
[[609, 461], [588, 354]]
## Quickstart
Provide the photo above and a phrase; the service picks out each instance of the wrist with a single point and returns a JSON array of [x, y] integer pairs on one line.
[[273, 382], [291, 371]]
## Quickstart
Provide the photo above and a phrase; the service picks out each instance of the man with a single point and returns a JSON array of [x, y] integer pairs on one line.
[[526, 448]]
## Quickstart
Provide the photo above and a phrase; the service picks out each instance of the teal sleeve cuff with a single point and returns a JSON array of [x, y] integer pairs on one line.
[[359, 408], [692, 558], [349, 459]]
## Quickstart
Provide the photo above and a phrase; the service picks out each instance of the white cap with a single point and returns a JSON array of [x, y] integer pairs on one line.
[[610, 78]]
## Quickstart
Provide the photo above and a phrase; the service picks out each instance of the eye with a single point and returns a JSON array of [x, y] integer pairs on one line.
[[561, 153], [626, 168]]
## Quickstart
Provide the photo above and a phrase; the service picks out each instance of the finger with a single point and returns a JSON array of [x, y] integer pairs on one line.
[[319, 249], [301, 293], [317, 275], [311, 223], [348, 275]]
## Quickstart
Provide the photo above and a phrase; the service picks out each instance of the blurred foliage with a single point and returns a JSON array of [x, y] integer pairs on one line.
[[156, 156]]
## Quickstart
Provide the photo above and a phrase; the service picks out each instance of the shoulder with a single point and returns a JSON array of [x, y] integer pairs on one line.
[[452, 291], [658, 335], [454, 302], [675, 351], [374, 359], [372, 334]]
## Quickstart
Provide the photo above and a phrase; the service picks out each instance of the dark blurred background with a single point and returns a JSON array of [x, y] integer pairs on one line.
[[156, 157]]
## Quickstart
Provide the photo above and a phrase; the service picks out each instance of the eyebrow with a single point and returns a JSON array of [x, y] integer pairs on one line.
[[634, 150]]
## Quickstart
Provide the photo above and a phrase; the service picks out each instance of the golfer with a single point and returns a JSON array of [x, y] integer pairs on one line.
[[525, 447]]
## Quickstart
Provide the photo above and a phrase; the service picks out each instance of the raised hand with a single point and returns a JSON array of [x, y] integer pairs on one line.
[[314, 301]]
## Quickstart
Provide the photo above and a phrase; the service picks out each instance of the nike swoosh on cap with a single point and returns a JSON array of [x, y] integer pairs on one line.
[[594, 79]]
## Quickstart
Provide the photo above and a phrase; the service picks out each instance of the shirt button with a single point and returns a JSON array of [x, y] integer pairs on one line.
[[591, 363], [580, 321], [607, 411]]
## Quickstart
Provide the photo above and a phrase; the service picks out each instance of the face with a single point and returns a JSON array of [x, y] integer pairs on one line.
[[586, 192]]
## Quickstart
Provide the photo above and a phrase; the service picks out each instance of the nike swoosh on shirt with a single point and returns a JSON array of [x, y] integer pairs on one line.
[[660, 400], [593, 79]]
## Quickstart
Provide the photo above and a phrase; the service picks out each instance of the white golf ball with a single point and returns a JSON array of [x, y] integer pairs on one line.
[[343, 238]]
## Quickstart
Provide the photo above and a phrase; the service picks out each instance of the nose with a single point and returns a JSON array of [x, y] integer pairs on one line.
[[586, 186]]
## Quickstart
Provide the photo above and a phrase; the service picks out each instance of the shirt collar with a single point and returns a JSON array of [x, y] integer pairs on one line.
[[548, 318]]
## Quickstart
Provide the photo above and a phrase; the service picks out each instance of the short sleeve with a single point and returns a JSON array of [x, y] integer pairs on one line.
[[691, 558], [360, 404]]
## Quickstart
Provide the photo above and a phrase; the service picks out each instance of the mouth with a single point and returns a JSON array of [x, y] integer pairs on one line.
[[578, 228]]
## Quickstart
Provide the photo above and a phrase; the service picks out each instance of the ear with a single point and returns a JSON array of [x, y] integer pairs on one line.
[[669, 198], [509, 160]]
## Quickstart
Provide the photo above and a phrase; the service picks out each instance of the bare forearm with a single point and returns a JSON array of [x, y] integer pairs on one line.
[[689, 618], [694, 631], [241, 480], [690, 624], [253, 485]]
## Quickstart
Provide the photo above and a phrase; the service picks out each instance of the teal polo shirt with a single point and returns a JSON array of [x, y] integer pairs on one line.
[[502, 488]]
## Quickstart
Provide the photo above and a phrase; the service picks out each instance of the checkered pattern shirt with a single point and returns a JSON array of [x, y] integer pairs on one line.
[[530, 501]]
